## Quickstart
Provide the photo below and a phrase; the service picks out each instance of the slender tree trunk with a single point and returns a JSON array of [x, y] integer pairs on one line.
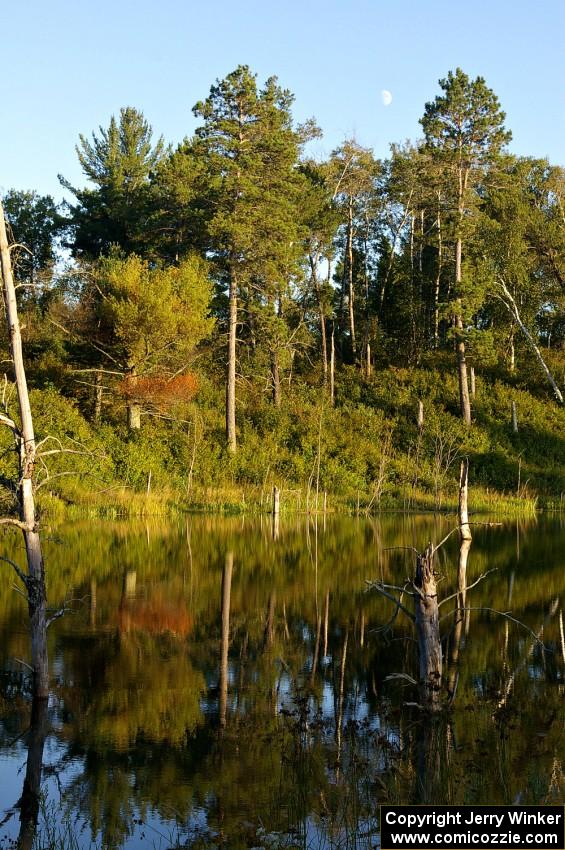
[[97, 397], [230, 383], [511, 351], [350, 279], [464, 398], [317, 290], [332, 369], [225, 636], [511, 305], [275, 377], [35, 580], [438, 274], [463, 513], [427, 629]]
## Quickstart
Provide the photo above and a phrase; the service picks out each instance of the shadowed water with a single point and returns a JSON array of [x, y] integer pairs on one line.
[[221, 685]]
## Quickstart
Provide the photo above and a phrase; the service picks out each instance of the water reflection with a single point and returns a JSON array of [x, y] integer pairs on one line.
[[218, 685]]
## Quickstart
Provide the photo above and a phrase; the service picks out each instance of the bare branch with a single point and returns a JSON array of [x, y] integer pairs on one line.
[[17, 523], [20, 574], [508, 616], [380, 589], [468, 587]]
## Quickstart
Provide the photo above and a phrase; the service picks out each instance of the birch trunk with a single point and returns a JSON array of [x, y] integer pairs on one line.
[[35, 583], [350, 279], [511, 305]]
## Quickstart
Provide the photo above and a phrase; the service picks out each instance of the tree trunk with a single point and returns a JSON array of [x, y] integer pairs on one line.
[[350, 279], [368, 364], [514, 418], [464, 398], [332, 369], [276, 512], [438, 275], [35, 580], [133, 406], [275, 377], [463, 513], [133, 416], [511, 305], [97, 397], [316, 286], [225, 636], [230, 382], [473, 388], [427, 629]]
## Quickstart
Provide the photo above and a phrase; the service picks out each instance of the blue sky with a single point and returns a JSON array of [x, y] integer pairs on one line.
[[69, 65]]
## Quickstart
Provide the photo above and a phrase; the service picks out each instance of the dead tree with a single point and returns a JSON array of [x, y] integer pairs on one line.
[[24, 436], [427, 628]]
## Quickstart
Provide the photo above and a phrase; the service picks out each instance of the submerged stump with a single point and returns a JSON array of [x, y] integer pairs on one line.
[[427, 630]]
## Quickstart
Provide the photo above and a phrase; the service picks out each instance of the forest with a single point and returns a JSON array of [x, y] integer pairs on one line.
[[203, 321]]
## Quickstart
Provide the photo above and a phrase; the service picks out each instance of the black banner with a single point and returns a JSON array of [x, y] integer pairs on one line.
[[475, 827]]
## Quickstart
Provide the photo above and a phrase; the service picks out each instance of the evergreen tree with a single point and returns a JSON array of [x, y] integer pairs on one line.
[[464, 133], [118, 162], [251, 150]]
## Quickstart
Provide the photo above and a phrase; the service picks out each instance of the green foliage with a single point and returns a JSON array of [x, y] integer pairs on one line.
[[156, 316]]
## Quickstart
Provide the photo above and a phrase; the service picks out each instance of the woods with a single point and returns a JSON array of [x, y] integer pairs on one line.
[[235, 276]]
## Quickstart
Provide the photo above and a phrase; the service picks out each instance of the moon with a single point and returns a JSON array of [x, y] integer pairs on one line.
[[386, 97]]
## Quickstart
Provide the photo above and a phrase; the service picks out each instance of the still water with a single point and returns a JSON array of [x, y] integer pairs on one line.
[[220, 685]]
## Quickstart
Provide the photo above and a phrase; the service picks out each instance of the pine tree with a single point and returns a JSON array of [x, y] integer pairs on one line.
[[464, 133], [118, 162], [251, 149]]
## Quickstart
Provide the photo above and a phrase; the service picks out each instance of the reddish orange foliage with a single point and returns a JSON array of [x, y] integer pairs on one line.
[[160, 391]]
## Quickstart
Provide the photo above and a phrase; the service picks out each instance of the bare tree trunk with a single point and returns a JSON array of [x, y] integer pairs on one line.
[[276, 512], [35, 580], [350, 279], [438, 274], [275, 375], [472, 376], [511, 350], [427, 629], [230, 383], [464, 398], [97, 397], [316, 286], [133, 407], [225, 636], [511, 305], [368, 364], [463, 513], [514, 418], [332, 369]]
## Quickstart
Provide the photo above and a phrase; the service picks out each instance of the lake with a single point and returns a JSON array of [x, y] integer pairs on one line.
[[220, 684]]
